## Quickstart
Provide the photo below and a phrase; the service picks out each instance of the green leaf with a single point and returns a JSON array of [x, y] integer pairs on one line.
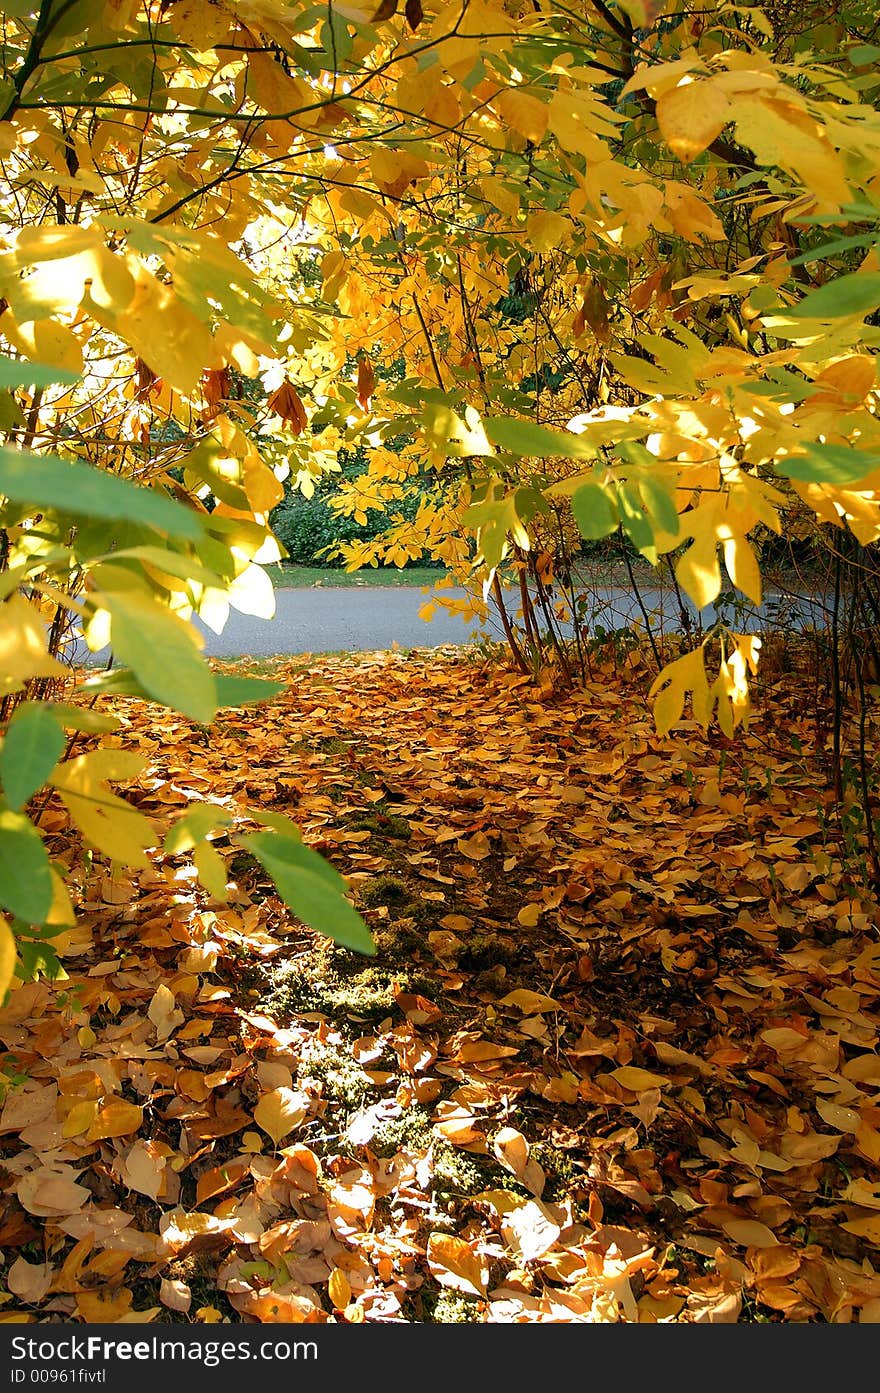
[[69, 486], [860, 54], [25, 873], [14, 374], [840, 244], [79, 717], [120, 681], [242, 691], [211, 869], [33, 746], [171, 563], [161, 650], [659, 502], [311, 888], [525, 438], [636, 524], [828, 464], [593, 511], [847, 295]]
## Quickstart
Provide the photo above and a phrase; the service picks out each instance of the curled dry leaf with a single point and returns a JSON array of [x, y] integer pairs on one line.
[[366, 381], [181, 1231], [164, 1012], [716, 1310], [512, 1150], [286, 402]]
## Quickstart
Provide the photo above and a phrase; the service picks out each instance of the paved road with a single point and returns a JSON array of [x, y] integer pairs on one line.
[[355, 619], [348, 618]]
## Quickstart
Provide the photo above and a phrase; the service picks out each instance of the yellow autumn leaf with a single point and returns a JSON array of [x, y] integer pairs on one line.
[[742, 567], [525, 113], [105, 1306], [698, 571], [475, 848], [80, 1118], [339, 1289], [117, 1118], [512, 1150], [636, 1080], [23, 652], [109, 822], [529, 915], [529, 1002], [750, 1233], [690, 117], [252, 593], [455, 1264], [8, 954], [670, 688], [183, 349], [211, 869], [545, 230], [868, 1227], [164, 1012], [281, 1111]]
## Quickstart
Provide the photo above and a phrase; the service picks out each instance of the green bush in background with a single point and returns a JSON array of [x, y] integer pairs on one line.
[[309, 527]]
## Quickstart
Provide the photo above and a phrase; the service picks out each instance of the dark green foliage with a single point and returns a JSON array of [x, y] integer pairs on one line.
[[308, 527]]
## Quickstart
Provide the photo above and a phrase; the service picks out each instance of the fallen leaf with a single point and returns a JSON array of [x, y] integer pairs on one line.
[[175, 1295], [281, 1111], [455, 1264], [750, 1233], [339, 1289], [512, 1150], [636, 1080], [116, 1118], [48, 1191], [530, 1003], [164, 1012], [29, 1281]]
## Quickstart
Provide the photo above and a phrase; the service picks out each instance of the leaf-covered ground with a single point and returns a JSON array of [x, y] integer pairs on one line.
[[615, 1059]]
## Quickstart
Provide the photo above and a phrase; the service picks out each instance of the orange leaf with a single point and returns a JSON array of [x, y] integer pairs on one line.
[[285, 401], [115, 1119], [366, 381], [455, 1264]]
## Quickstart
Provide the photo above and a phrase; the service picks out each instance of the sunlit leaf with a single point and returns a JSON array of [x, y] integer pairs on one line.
[[25, 876], [69, 486], [311, 888]]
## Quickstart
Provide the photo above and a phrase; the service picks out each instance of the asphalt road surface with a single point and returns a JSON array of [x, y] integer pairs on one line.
[[354, 619], [341, 618]]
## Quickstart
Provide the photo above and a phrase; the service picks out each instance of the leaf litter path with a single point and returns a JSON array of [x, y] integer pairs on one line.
[[615, 1059]]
